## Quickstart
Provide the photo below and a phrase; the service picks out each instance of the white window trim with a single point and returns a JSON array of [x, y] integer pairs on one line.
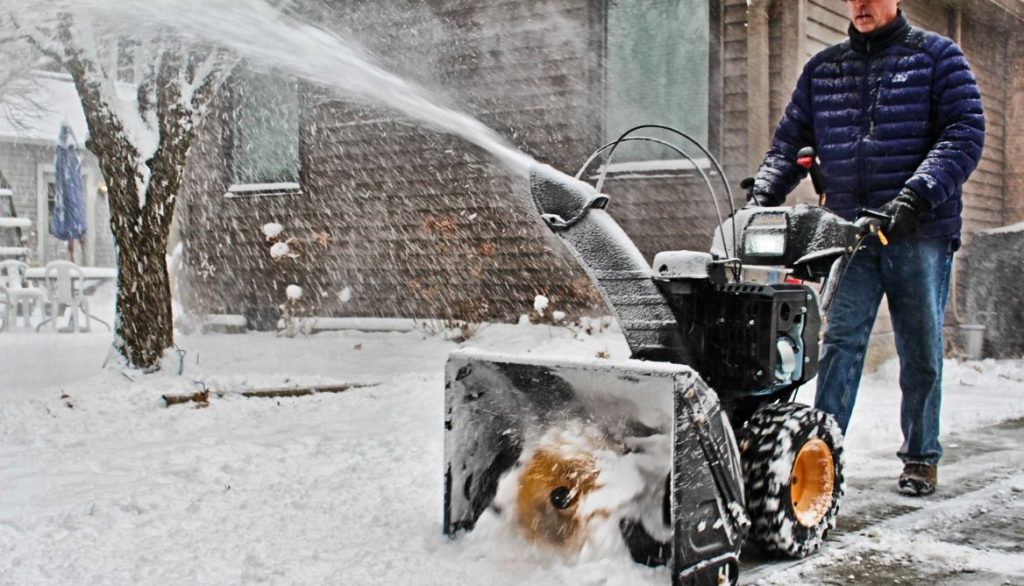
[[652, 169], [250, 190]]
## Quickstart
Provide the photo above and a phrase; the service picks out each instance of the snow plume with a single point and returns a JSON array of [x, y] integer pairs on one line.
[[266, 35]]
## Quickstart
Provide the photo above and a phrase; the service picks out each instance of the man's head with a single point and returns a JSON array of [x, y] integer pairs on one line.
[[868, 16]]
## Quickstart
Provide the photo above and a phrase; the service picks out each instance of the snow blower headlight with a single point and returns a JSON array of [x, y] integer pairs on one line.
[[765, 235], [767, 243]]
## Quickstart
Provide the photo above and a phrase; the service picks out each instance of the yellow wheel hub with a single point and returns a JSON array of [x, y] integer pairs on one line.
[[550, 489], [811, 482]]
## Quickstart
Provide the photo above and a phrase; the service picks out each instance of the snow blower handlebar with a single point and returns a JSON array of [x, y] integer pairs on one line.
[[869, 223], [807, 158]]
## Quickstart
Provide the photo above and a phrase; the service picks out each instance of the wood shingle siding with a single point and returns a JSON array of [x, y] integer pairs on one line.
[[735, 143], [932, 15], [1014, 194], [422, 224], [983, 192], [827, 24]]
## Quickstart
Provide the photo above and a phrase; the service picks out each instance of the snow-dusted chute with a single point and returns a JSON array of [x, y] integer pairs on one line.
[[566, 450]]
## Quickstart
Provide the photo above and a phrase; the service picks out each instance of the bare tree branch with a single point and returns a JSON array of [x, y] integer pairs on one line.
[[141, 146], [209, 78]]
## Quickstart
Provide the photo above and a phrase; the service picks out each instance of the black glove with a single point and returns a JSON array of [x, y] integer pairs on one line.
[[905, 211], [755, 200], [758, 201]]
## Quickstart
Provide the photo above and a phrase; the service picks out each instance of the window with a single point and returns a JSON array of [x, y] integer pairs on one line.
[[657, 64], [51, 194], [264, 134]]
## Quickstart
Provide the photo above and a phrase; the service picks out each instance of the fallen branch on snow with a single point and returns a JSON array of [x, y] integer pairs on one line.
[[203, 397]]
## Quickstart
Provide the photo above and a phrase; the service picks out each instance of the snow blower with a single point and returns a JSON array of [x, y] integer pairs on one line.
[[572, 451]]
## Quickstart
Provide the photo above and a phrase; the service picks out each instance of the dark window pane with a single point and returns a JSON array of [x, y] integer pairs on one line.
[[51, 197], [266, 129], [657, 71]]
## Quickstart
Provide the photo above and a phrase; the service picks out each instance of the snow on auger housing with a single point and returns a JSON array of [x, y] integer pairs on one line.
[[683, 473]]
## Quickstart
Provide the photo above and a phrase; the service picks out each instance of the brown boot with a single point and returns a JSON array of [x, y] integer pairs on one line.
[[919, 479]]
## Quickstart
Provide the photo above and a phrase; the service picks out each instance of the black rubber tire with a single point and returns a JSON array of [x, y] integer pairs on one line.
[[769, 444]]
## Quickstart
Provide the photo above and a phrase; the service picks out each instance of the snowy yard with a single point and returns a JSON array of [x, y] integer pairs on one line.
[[100, 483]]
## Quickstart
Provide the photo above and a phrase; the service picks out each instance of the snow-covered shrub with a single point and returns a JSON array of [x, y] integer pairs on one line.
[[345, 295], [272, 230], [279, 250], [542, 303], [293, 260], [456, 330], [294, 324], [458, 315]]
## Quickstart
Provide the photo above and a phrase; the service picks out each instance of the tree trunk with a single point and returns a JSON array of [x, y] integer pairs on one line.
[[144, 325]]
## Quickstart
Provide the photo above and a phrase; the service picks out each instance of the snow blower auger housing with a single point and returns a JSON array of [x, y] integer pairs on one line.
[[677, 493], [569, 450]]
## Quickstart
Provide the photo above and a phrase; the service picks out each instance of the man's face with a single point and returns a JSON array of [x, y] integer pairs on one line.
[[868, 16]]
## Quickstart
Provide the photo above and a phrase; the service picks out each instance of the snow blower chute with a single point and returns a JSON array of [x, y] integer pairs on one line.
[[570, 451]]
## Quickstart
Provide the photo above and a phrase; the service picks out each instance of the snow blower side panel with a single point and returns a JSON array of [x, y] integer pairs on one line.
[[709, 514], [542, 444]]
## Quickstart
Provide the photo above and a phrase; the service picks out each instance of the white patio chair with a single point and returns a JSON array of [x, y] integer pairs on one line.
[[15, 293], [65, 288]]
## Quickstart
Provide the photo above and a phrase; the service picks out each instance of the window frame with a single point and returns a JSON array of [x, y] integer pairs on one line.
[[715, 115], [248, 189]]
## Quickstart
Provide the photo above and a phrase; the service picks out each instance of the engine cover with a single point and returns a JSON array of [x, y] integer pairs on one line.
[[757, 338]]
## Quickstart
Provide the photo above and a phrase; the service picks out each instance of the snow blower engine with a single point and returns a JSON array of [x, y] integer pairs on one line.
[[577, 453]]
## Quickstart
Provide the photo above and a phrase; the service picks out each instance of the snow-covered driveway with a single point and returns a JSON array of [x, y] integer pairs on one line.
[[100, 483]]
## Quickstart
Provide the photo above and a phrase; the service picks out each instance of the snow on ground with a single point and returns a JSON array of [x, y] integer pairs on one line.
[[100, 483]]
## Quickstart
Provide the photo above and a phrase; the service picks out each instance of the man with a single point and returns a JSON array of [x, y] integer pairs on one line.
[[895, 116]]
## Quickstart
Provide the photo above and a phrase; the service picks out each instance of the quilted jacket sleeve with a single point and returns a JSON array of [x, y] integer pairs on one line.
[[961, 129], [779, 173]]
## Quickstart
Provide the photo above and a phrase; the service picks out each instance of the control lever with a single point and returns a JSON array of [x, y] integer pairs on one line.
[[807, 158], [872, 221]]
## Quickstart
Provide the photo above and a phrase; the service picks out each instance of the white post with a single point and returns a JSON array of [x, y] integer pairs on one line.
[[42, 213], [91, 186]]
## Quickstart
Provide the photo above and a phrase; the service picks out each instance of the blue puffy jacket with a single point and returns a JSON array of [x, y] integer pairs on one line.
[[896, 108]]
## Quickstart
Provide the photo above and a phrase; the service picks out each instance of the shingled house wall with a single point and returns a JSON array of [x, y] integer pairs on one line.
[[422, 224]]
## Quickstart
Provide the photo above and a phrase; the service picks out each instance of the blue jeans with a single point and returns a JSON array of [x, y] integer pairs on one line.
[[914, 276]]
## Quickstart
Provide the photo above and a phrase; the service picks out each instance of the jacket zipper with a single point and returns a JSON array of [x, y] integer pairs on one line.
[[868, 111]]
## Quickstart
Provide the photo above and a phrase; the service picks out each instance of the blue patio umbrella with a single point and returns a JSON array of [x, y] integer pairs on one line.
[[68, 219]]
